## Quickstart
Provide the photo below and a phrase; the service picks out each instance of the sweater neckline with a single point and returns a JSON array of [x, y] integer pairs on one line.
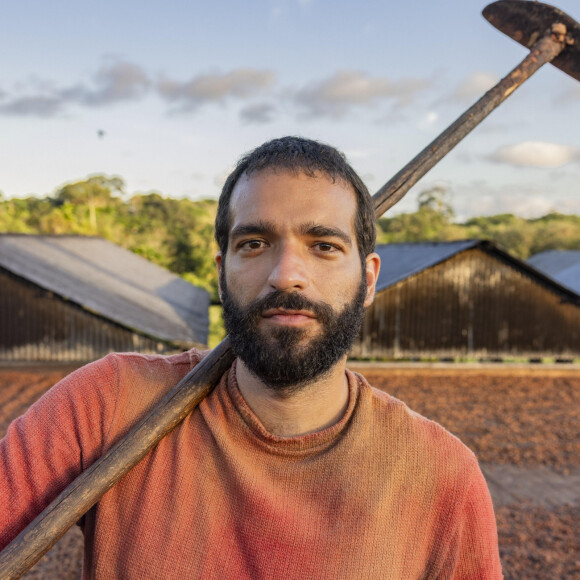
[[300, 443]]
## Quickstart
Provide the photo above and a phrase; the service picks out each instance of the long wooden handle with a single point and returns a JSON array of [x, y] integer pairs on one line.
[[42, 533], [543, 51]]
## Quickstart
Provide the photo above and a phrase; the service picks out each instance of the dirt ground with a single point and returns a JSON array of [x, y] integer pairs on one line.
[[526, 418]]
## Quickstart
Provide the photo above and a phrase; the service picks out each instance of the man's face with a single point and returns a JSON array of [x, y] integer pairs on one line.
[[292, 284]]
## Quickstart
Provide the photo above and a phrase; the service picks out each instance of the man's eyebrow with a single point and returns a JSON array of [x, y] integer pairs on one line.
[[264, 228], [320, 231], [258, 228]]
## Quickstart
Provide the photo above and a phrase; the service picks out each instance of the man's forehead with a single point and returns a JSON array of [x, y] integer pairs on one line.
[[275, 181], [274, 202]]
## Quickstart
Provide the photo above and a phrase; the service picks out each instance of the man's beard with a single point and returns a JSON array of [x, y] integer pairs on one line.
[[276, 356]]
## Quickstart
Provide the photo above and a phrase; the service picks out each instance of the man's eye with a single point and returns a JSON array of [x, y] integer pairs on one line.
[[253, 244], [324, 247]]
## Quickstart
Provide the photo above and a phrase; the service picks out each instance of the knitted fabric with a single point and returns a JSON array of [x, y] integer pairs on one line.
[[383, 493]]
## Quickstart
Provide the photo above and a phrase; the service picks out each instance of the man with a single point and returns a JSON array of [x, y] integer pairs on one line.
[[293, 467]]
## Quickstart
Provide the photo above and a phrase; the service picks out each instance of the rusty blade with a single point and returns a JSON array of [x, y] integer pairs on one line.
[[525, 22]]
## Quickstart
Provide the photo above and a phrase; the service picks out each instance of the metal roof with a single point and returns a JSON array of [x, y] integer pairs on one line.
[[562, 265], [111, 282], [399, 261]]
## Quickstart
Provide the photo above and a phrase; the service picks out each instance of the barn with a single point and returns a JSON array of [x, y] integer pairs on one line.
[[75, 298], [450, 300]]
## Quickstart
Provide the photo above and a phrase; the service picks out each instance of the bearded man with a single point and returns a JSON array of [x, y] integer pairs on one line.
[[293, 467]]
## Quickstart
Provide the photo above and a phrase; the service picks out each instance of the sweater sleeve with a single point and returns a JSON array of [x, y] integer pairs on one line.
[[53, 442], [477, 554]]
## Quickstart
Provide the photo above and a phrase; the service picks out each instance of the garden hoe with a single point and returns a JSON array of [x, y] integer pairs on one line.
[[548, 33]]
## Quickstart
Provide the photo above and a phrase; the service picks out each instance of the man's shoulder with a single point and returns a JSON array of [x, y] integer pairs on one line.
[[151, 363], [412, 433], [150, 376], [131, 384]]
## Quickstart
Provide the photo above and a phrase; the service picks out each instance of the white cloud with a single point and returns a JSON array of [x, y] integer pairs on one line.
[[112, 83], [527, 200], [479, 198], [535, 154], [259, 113], [475, 86], [525, 205], [335, 95], [119, 81], [216, 87], [32, 106], [428, 120]]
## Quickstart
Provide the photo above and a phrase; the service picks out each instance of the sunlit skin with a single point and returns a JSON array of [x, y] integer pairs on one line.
[[296, 234]]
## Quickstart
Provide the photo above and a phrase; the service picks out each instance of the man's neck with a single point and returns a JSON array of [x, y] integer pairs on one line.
[[312, 408]]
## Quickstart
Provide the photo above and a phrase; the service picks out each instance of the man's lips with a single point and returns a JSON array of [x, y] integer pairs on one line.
[[288, 317]]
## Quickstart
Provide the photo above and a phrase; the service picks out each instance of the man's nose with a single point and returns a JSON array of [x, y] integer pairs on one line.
[[289, 271]]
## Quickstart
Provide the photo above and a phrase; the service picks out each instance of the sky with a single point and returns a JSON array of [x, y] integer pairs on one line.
[[168, 95]]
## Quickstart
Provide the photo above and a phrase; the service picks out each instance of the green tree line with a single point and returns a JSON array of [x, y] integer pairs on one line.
[[174, 233], [178, 233], [434, 220]]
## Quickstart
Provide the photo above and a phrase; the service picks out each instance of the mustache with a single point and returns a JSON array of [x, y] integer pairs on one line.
[[288, 301]]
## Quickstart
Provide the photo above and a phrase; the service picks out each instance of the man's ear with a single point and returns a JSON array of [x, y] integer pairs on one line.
[[218, 263], [372, 268]]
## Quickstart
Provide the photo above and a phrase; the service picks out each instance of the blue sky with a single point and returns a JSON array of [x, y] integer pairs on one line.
[[182, 88]]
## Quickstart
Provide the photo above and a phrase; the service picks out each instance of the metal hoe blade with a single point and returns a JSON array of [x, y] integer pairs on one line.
[[525, 22], [550, 39]]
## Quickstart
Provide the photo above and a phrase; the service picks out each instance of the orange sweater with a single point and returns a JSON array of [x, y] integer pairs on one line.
[[384, 493]]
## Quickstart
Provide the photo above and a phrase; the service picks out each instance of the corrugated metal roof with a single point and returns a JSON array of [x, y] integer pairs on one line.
[[399, 261], [112, 282], [562, 265]]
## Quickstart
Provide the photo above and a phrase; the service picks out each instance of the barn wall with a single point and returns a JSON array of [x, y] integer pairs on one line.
[[473, 304], [36, 325]]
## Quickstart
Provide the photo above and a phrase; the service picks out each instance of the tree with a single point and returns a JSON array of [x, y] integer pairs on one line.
[[512, 233], [556, 231], [95, 192], [437, 200], [433, 220]]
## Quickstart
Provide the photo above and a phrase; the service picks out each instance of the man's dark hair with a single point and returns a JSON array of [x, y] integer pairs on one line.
[[300, 155]]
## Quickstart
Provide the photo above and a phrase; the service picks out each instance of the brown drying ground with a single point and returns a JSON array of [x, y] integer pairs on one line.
[[518, 417]]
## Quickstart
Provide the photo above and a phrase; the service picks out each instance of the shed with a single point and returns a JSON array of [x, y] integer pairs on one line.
[[466, 299], [561, 265], [76, 298]]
